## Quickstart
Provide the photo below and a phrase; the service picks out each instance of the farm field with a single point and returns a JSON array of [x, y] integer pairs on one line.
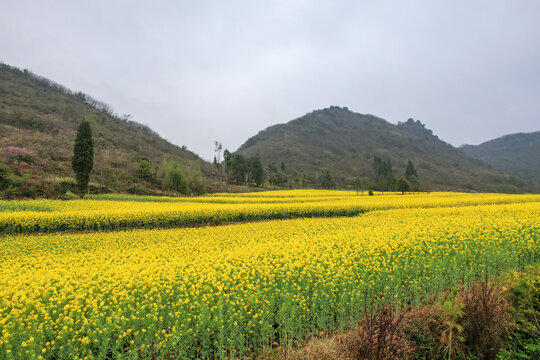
[[112, 212], [153, 284]]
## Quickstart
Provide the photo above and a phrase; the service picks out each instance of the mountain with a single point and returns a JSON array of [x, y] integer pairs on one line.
[[516, 154], [38, 120], [346, 143]]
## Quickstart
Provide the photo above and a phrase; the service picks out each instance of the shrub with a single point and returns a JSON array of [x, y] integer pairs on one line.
[[174, 178], [402, 185], [450, 313], [524, 295], [380, 334], [486, 319], [145, 170], [5, 177]]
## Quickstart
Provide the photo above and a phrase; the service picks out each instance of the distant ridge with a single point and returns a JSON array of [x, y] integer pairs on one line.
[[517, 154], [346, 142]]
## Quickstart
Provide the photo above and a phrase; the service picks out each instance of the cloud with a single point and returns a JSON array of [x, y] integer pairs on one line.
[[200, 71]]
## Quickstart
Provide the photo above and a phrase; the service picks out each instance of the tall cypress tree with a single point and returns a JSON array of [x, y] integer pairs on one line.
[[83, 156], [410, 172]]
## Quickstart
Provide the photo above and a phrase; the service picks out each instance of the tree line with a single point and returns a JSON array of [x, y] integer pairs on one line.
[[239, 170]]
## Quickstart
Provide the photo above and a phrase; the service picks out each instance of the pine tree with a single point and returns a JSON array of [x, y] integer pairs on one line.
[[410, 172], [144, 171], [83, 156]]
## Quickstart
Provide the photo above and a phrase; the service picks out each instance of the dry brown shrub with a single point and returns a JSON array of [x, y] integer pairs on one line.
[[486, 318], [379, 335]]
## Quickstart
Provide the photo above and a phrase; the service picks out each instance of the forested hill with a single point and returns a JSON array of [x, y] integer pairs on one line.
[[346, 143], [516, 154], [38, 120]]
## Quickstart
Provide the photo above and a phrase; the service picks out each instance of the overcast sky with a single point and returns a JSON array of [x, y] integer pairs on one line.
[[197, 71]]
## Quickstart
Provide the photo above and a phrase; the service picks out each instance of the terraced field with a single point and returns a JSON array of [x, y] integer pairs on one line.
[[153, 284]]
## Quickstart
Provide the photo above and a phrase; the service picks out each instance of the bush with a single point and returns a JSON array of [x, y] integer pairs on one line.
[[197, 185], [380, 334], [145, 170], [5, 177], [174, 178], [486, 319], [524, 295], [402, 185], [424, 330]]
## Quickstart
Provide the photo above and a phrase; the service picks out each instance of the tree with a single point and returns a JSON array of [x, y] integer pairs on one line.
[[217, 151], [402, 185], [357, 183], [173, 177], [196, 181], [384, 175], [412, 177], [83, 156], [235, 166], [145, 171], [410, 172], [327, 180], [276, 177], [255, 170]]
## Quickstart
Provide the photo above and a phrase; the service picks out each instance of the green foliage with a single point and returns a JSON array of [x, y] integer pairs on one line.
[[384, 175], [70, 196], [197, 184], [235, 167], [42, 117], [83, 156], [327, 180], [345, 142], [145, 170], [515, 154], [276, 177], [410, 172], [450, 313], [173, 177], [241, 170], [402, 185], [255, 170], [5, 177], [524, 295]]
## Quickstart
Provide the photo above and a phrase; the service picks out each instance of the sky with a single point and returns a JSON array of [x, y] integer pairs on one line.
[[199, 71]]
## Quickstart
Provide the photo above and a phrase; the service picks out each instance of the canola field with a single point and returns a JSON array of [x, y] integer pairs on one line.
[[127, 212], [155, 286]]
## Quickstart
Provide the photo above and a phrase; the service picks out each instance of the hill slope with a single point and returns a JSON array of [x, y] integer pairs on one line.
[[40, 117], [516, 154], [346, 142]]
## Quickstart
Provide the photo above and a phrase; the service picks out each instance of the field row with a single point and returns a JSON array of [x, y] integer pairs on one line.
[[224, 291], [83, 215]]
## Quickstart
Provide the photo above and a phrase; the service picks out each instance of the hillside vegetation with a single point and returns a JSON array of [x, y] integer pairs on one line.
[[516, 154], [346, 143], [38, 119]]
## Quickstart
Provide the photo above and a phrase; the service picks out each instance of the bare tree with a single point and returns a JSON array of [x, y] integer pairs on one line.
[[217, 150]]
